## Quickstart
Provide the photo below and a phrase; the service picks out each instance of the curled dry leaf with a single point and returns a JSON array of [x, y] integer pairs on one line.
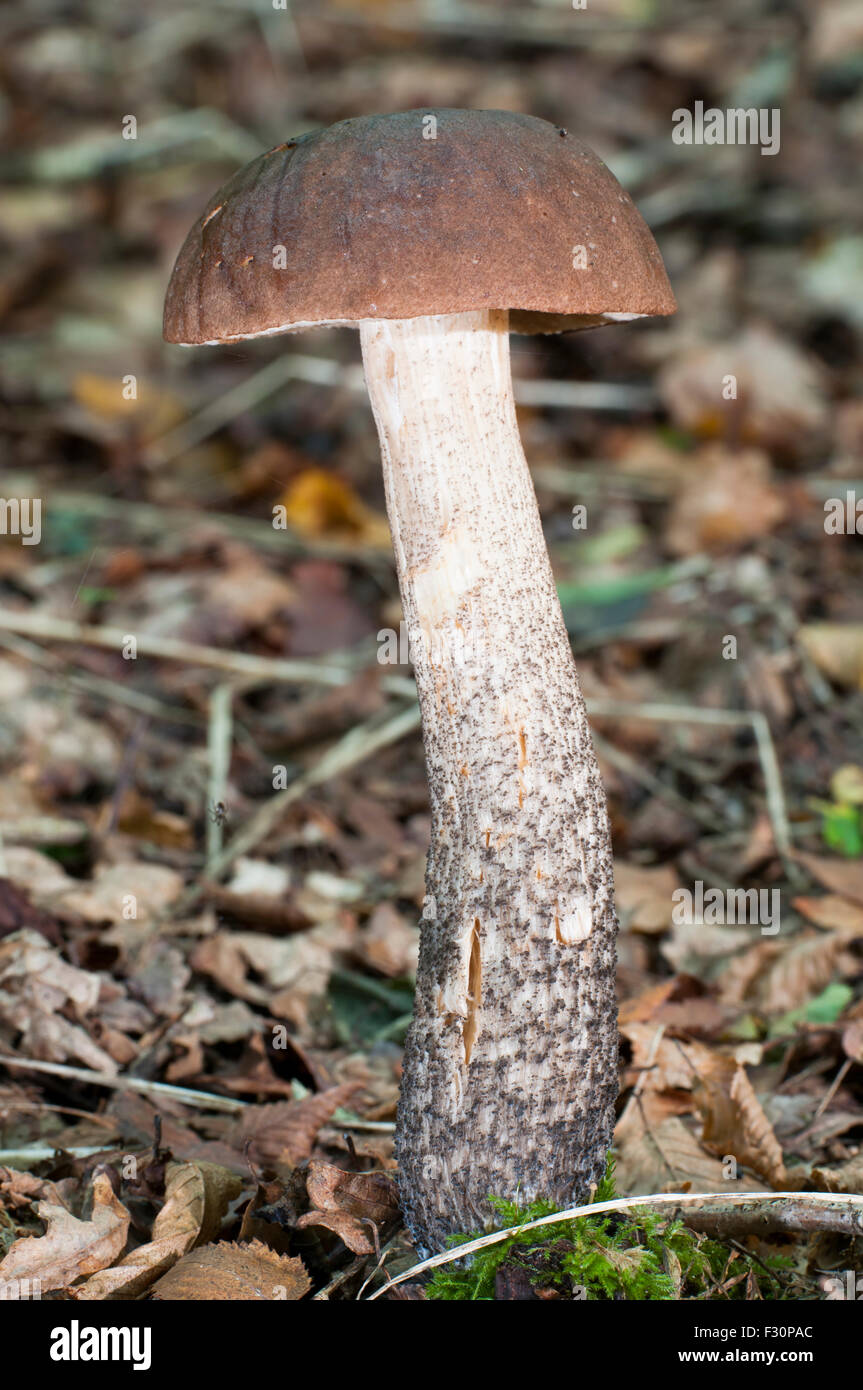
[[389, 943], [371, 1195], [679, 1002], [852, 1040], [833, 913], [845, 1177], [692, 946], [658, 1153], [285, 1131], [70, 1248], [837, 650], [197, 1196], [842, 876], [663, 1063], [350, 1204], [803, 969], [734, 1121], [356, 1236], [25, 1189], [728, 501], [246, 591], [36, 983], [296, 969], [234, 1273], [779, 393], [643, 1007], [109, 897]]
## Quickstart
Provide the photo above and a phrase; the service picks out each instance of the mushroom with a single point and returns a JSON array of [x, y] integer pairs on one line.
[[436, 233]]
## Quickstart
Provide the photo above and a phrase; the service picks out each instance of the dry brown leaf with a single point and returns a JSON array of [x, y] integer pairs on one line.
[[25, 1189], [37, 874], [197, 1196], [643, 895], [296, 968], [729, 500], [658, 1153], [842, 876], [349, 1229], [734, 1121], [845, 1177], [132, 891], [388, 943], [36, 983], [662, 1063], [779, 391], [805, 967], [249, 591], [317, 503], [641, 1008], [679, 1009], [285, 1131], [70, 1248], [352, 1205], [371, 1195], [690, 944], [234, 1273], [852, 1040], [739, 976], [837, 650], [833, 913]]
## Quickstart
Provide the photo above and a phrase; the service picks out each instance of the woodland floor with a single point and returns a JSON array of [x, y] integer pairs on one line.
[[168, 913]]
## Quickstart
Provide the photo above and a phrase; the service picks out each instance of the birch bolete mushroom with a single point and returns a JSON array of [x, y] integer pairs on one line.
[[436, 233]]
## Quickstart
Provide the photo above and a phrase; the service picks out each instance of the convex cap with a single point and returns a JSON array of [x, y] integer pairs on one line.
[[372, 219]]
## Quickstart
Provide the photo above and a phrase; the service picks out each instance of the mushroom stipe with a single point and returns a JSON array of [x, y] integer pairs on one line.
[[435, 249]]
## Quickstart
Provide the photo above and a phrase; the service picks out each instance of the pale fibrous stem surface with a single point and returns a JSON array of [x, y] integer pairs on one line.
[[510, 1070]]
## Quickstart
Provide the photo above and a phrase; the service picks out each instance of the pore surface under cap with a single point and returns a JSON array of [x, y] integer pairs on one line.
[[372, 220]]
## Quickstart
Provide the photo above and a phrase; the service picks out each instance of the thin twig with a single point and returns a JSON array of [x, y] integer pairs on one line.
[[631, 767], [88, 684], [324, 371], [174, 649], [752, 719], [219, 740], [833, 1087], [353, 748], [146, 518], [203, 1100], [43, 830], [254, 669], [23, 1159], [268, 668]]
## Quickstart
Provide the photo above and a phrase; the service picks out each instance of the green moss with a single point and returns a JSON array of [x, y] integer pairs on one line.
[[638, 1255]]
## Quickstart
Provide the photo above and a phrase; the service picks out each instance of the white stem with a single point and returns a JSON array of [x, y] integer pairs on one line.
[[511, 1062]]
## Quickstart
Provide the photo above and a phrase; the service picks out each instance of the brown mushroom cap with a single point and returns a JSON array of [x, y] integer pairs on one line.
[[378, 222]]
